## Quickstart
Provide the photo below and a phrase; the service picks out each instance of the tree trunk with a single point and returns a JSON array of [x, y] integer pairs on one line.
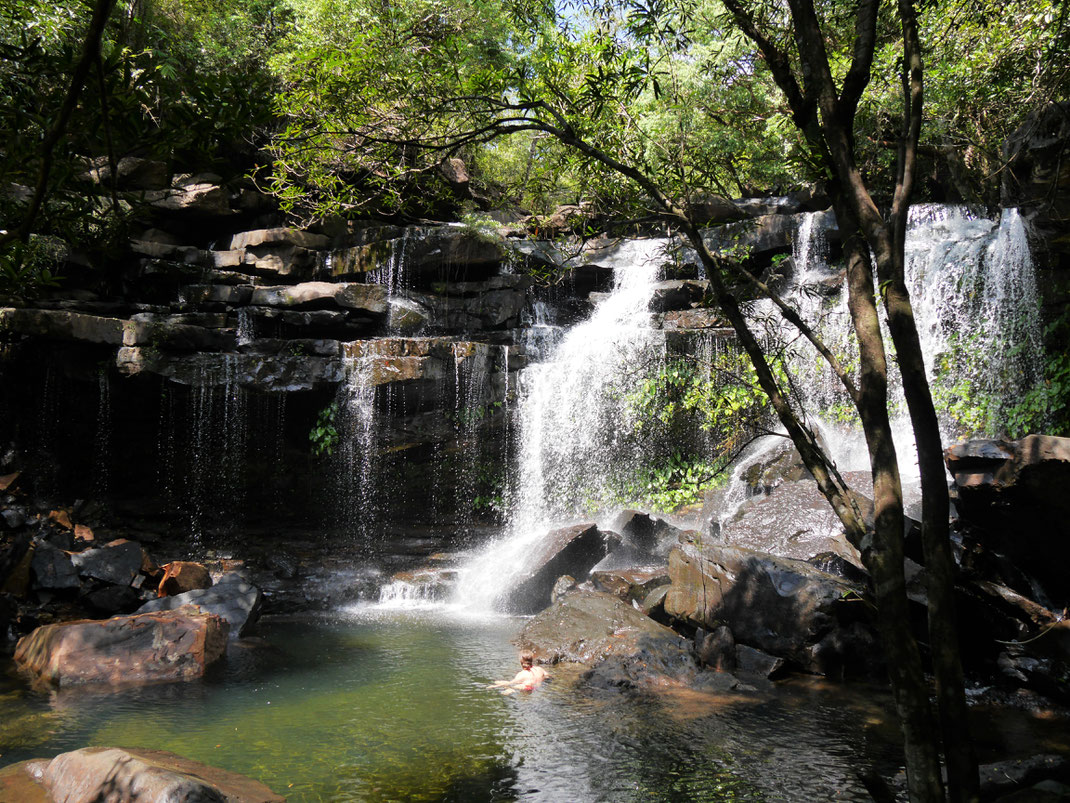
[[883, 557]]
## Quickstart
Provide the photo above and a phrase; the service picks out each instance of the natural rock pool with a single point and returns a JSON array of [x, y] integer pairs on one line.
[[366, 704]]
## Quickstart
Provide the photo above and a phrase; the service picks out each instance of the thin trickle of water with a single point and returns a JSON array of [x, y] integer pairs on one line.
[[245, 332], [393, 275], [471, 373], [233, 441], [358, 450], [200, 457], [102, 440], [47, 418]]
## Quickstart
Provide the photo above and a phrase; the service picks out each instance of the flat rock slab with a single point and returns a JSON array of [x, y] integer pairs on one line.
[[278, 236], [232, 599], [571, 550], [148, 647], [119, 775], [62, 325], [368, 297]]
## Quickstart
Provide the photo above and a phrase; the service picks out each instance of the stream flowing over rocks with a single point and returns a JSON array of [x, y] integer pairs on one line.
[[410, 416]]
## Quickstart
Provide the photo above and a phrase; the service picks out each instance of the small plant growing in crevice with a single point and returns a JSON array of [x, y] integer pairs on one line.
[[324, 434]]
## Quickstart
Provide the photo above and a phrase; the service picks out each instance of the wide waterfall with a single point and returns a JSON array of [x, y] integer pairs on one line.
[[974, 294], [973, 289]]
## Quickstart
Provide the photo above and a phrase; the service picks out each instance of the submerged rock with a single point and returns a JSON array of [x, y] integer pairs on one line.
[[119, 775], [169, 645], [570, 550]]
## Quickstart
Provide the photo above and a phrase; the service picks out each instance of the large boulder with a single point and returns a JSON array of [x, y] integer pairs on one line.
[[784, 607], [794, 521], [164, 646], [53, 568], [120, 775], [621, 646], [232, 599], [570, 550], [1012, 500]]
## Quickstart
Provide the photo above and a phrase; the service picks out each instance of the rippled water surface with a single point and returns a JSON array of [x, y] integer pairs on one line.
[[368, 705]]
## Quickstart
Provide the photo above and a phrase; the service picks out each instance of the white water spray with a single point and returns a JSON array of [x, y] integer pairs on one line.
[[574, 422]]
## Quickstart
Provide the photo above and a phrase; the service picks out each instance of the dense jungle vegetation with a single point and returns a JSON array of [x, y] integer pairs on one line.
[[323, 101]]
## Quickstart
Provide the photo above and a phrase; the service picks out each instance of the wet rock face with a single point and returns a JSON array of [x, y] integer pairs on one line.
[[1012, 501], [119, 774], [570, 550], [171, 645], [1038, 174], [784, 607]]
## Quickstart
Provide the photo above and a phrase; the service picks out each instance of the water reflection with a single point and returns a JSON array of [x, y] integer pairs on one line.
[[373, 706]]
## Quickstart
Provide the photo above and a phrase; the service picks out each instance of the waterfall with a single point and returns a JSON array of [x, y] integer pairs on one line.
[[973, 289], [245, 331], [393, 274], [358, 449], [102, 440], [574, 420]]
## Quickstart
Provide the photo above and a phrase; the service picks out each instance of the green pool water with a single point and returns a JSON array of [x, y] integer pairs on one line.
[[373, 705]]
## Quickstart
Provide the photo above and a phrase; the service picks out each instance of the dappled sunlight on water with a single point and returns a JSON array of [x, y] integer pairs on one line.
[[373, 705]]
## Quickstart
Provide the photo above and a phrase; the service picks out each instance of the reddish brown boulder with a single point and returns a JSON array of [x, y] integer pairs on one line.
[[125, 776], [162, 646], [181, 576]]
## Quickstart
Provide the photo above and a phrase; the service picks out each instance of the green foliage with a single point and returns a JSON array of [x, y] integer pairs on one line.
[[692, 416], [324, 434], [720, 396], [676, 482], [1046, 407], [482, 227], [183, 81], [28, 268]]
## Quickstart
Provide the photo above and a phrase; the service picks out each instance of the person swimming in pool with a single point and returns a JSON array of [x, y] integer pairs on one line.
[[529, 678]]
